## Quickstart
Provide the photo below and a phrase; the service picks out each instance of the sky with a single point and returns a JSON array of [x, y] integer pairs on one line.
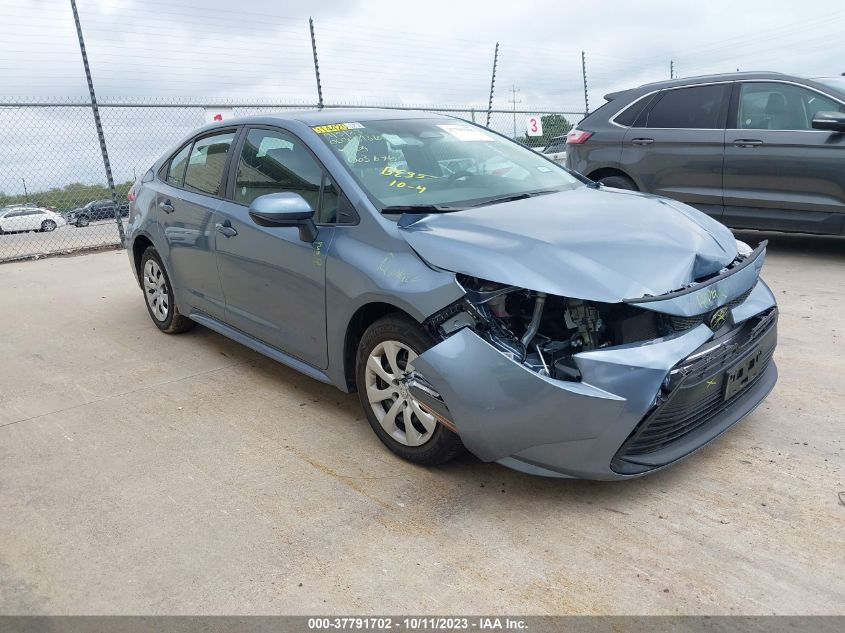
[[437, 52], [371, 52]]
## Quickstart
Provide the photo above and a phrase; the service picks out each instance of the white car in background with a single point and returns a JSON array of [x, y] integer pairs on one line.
[[24, 218], [556, 149]]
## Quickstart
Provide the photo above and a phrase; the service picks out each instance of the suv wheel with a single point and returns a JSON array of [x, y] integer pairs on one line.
[[619, 182], [158, 294], [386, 354], [82, 220]]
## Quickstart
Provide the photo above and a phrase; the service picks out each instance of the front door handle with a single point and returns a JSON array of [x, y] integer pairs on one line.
[[226, 229], [642, 141], [747, 142], [166, 206]]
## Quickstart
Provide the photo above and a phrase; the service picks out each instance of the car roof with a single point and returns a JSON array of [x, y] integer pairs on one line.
[[328, 116], [701, 79]]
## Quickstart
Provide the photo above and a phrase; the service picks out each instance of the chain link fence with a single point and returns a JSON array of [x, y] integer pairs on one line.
[[53, 193]]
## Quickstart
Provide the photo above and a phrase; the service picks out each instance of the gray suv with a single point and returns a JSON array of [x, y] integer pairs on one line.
[[753, 150]]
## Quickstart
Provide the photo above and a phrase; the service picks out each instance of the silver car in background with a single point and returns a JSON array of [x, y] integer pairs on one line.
[[474, 293]]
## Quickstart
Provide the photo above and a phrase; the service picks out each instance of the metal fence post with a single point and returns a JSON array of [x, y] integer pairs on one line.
[[98, 124], [584, 76], [492, 83], [316, 64]]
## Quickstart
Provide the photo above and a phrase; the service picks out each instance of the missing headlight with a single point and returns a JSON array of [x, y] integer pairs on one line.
[[541, 331]]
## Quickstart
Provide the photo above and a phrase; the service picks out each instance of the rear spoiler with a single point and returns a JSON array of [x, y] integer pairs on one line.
[[711, 294]]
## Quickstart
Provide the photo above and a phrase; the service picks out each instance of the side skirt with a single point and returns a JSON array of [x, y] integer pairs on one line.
[[262, 348]]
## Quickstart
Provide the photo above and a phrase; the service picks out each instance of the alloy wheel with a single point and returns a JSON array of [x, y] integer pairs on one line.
[[398, 412]]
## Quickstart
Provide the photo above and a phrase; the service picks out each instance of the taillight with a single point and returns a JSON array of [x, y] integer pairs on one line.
[[576, 136], [131, 194]]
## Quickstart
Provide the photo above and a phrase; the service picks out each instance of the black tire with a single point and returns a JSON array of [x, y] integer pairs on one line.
[[82, 220], [619, 182], [174, 322], [443, 445], [47, 226]]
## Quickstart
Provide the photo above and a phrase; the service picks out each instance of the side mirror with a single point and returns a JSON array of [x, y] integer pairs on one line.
[[833, 121], [285, 209]]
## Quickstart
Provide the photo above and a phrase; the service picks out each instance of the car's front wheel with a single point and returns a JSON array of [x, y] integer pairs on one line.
[[385, 355], [48, 225], [158, 293], [82, 220]]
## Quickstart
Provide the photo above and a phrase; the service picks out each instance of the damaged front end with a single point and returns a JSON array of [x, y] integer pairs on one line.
[[570, 386]]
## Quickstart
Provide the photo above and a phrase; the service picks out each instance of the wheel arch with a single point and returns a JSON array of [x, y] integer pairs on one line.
[[139, 245], [363, 318], [604, 172]]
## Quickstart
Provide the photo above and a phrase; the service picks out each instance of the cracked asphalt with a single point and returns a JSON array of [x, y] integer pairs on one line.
[[147, 474]]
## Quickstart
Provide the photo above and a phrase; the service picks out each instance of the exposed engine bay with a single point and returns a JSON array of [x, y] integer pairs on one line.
[[544, 332]]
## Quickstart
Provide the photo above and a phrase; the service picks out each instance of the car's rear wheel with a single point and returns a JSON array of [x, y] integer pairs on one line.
[[48, 225], [619, 182], [385, 355], [82, 220], [158, 294]]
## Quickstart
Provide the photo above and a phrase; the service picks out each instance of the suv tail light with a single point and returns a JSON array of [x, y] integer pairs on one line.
[[576, 136], [131, 194]]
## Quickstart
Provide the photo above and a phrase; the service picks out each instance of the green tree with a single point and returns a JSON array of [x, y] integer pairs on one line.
[[68, 197]]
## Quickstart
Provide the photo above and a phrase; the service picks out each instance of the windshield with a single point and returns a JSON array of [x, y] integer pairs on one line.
[[837, 83], [428, 162]]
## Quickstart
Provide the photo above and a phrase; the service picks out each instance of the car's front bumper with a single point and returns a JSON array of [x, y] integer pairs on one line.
[[594, 429]]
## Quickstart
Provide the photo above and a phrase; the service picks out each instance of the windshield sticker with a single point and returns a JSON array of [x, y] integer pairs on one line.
[[336, 127], [544, 169], [465, 132]]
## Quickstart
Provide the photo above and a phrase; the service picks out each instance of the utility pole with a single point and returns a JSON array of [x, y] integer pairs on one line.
[[25, 193], [584, 76], [492, 83], [671, 69], [316, 65], [98, 124], [514, 101]]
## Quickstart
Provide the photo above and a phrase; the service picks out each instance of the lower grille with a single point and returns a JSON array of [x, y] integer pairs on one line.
[[699, 395]]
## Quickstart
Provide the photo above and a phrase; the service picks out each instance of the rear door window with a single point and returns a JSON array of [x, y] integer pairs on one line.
[[207, 161], [696, 107]]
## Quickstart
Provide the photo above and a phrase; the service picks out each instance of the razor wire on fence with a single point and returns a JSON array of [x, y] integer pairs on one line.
[[54, 197]]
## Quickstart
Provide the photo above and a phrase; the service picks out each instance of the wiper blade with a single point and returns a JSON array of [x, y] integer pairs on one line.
[[515, 196], [420, 208]]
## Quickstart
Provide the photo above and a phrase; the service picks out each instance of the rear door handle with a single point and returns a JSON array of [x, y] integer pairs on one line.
[[226, 229], [747, 142], [642, 141], [166, 206]]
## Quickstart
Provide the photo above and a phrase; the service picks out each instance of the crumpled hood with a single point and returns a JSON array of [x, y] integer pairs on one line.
[[601, 245]]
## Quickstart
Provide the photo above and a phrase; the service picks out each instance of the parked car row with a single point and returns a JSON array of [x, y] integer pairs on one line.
[[753, 150], [30, 217]]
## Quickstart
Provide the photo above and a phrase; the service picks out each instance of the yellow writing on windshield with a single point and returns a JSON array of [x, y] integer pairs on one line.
[[396, 172], [402, 184]]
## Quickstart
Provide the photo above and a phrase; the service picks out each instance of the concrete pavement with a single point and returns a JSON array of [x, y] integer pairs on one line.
[[150, 474]]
